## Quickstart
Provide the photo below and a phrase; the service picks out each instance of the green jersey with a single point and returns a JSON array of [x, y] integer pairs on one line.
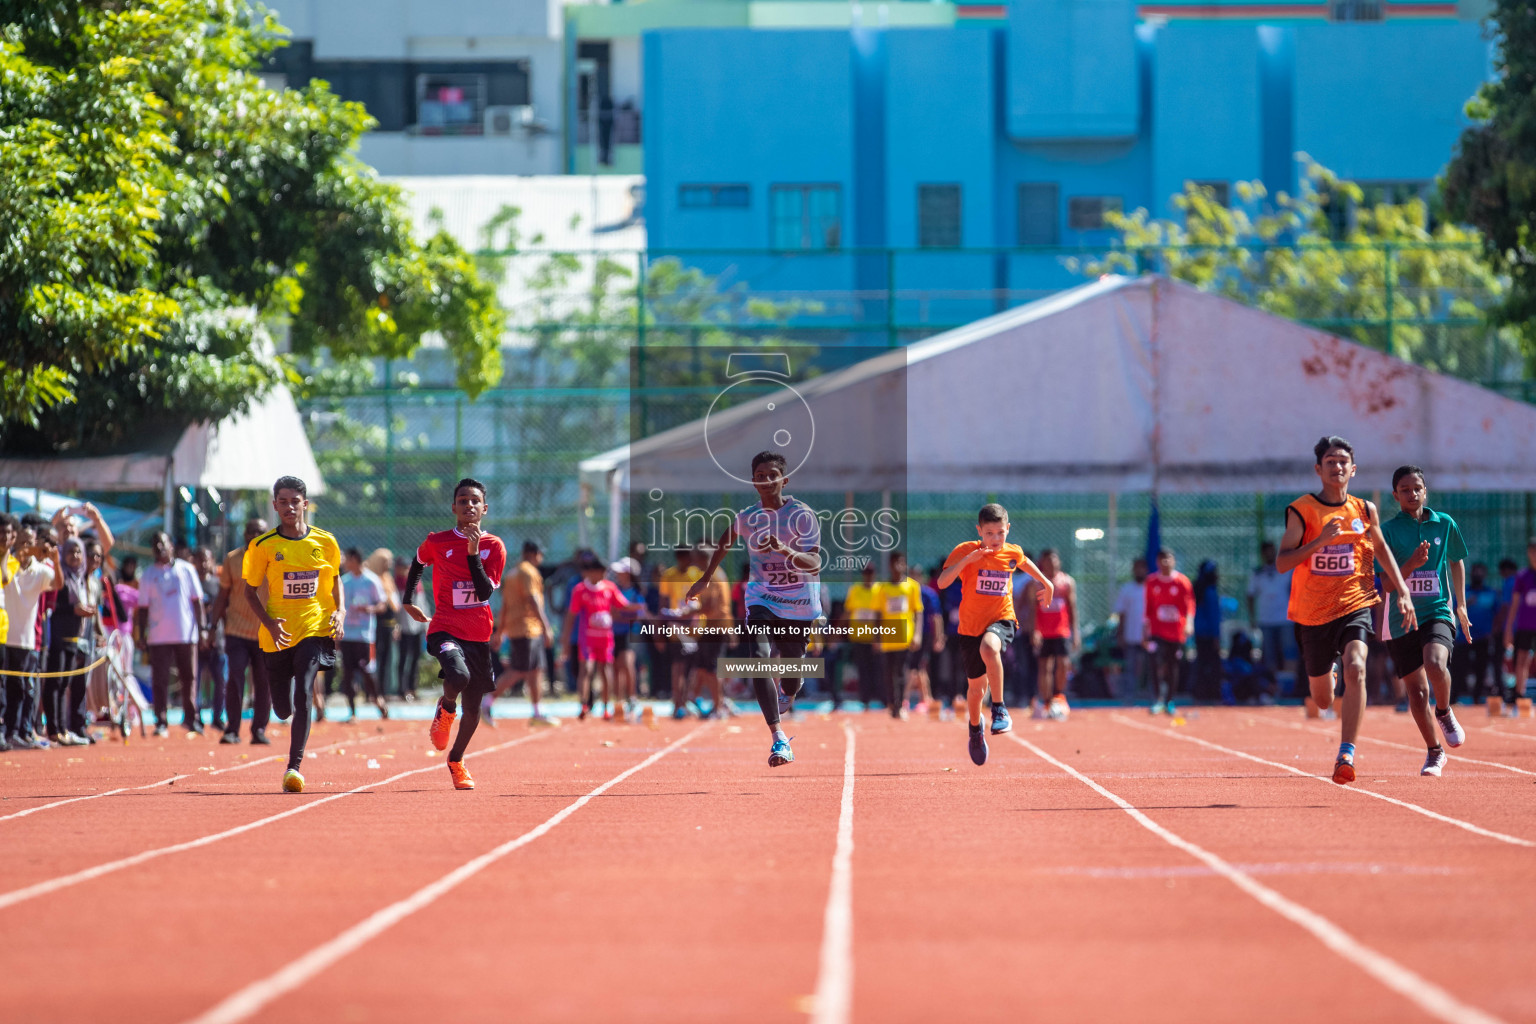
[[1430, 583]]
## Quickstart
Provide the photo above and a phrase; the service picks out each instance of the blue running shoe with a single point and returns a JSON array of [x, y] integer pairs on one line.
[[780, 754], [978, 745], [1000, 721], [786, 705]]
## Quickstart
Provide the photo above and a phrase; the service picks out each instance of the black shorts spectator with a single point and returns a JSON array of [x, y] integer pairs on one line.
[[526, 654], [1053, 647]]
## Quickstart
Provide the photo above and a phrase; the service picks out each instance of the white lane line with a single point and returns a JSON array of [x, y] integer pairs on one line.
[[1418, 990], [93, 796], [1475, 829], [834, 981], [15, 896], [178, 778], [1501, 732], [294, 974], [1400, 746], [318, 750]]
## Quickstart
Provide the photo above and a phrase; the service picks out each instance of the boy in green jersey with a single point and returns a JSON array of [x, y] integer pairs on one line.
[[1428, 546]]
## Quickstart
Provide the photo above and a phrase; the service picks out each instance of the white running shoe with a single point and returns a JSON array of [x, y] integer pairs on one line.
[[1454, 734], [1059, 709], [1037, 710], [1434, 762]]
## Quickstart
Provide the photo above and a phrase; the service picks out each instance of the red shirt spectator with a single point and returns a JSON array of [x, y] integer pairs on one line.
[[1170, 605]]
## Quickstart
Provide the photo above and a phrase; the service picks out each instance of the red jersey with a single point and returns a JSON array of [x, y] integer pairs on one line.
[[1052, 621], [1170, 604], [455, 608], [593, 605]]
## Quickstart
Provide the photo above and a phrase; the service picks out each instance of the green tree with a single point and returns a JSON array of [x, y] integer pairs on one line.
[[1491, 180], [160, 206], [1376, 272]]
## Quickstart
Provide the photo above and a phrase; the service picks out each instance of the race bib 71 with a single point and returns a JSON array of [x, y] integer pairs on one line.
[[302, 585], [464, 595], [1334, 560]]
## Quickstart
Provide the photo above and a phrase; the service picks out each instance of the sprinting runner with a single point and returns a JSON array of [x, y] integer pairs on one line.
[[302, 615], [1520, 628], [1429, 547], [1332, 539], [985, 570], [1057, 634], [1170, 610], [901, 599], [593, 605], [783, 597], [467, 564]]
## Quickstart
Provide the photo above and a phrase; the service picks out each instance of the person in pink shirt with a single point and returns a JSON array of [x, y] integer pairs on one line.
[[1170, 610], [594, 602]]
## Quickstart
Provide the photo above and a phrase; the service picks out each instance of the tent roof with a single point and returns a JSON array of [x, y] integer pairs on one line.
[[244, 452], [1135, 384]]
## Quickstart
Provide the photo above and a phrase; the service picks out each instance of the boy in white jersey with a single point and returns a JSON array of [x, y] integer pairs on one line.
[[782, 595]]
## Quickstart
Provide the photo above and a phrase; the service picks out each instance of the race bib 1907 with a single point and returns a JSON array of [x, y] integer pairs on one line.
[[301, 586], [464, 595], [1424, 583], [992, 582], [1334, 560]]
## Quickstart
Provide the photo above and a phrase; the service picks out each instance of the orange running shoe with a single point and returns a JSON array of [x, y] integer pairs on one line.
[[461, 776], [1344, 771], [442, 726]]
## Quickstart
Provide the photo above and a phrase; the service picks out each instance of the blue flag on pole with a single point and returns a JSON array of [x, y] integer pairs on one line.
[[1154, 537]]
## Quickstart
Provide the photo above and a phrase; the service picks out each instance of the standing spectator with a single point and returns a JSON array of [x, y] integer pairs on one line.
[[1057, 633], [1131, 633], [8, 568], [127, 588], [1520, 627], [72, 622], [363, 595], [170, 610], [413, 637], [30, 578], [1269, 602], [242, 644], [1477, 659], [1170, 606], [626, 573], [1207, 633], [65, 527], [212, 662], [953, 661], [861, 607], [525, 625], [386, 623]]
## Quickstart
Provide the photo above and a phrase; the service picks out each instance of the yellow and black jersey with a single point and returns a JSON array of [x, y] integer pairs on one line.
[[300, 575]]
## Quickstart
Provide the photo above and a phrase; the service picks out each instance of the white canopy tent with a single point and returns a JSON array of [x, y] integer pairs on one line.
[[244, 452], [1125, 385]]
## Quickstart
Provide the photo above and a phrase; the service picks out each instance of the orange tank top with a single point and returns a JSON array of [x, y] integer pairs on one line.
[[1338, 578]]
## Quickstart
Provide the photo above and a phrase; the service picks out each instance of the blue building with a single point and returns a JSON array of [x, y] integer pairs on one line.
[[1024, 129]]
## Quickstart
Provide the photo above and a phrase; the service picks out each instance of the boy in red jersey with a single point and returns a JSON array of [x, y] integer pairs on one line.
[[467, 564], [593, 601], [1170, 606], [1057, 634], [985, 568]]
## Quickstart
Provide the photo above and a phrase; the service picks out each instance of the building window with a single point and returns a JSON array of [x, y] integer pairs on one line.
[[1220, 192], [706, 197], [938, 216], [1039, 214], [1086, 213], [1357, 10], [806, 216], [1343, 213], [450, 104]]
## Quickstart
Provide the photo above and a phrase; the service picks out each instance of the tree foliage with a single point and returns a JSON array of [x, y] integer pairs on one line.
[[159, 206], [1375, 272], [1491, 180]]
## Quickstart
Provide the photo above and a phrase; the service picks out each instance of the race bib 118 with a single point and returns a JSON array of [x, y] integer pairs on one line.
[[1424, 583]]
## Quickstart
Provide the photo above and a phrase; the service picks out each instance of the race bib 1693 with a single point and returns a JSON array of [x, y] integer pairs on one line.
[[301, 586]]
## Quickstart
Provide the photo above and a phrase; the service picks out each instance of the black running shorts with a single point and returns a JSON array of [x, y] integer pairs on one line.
[[970, 646], [1408, 650], [1322, 645], [466, 660]]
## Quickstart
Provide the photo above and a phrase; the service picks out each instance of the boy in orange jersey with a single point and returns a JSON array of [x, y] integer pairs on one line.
[[1331, 541], [985, 569]]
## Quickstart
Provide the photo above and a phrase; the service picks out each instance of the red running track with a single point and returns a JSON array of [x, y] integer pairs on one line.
[[1113, 867]]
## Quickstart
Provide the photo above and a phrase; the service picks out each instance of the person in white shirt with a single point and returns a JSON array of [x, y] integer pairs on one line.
[[1269, 602], [170, 620], [1131, 607], [30, 577]]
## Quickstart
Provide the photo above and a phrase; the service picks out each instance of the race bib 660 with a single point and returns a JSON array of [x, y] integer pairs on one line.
[[1334, 560], [301, 586]]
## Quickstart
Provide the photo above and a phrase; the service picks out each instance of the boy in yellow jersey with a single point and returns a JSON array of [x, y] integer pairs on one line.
[[1332, 540], [861, 607], [985, 570], [901, 598], [303, 613]]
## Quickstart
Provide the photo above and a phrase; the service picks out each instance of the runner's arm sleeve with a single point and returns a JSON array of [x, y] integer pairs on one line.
[[483, 586], [412, 578]]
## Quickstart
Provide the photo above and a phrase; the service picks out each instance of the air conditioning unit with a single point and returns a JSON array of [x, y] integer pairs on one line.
[[506, 120]]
